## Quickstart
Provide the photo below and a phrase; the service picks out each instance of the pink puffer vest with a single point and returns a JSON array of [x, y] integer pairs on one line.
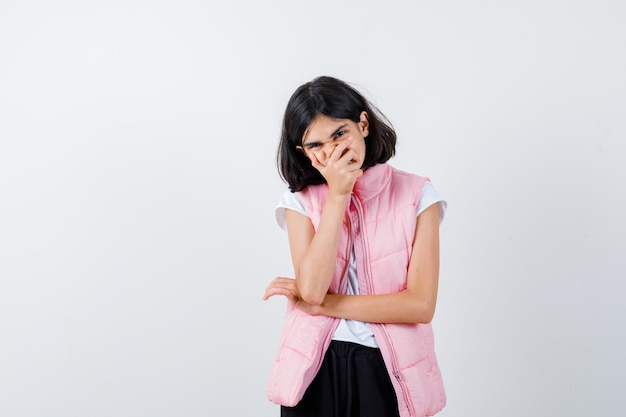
[[380, 221]]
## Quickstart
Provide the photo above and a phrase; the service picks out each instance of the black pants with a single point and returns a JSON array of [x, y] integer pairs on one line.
[[352, 382]]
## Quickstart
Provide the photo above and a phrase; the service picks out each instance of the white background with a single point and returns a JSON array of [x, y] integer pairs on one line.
[[138, 183]]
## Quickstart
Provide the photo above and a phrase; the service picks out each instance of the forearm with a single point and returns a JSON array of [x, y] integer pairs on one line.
[[400, 307], [317, 266]]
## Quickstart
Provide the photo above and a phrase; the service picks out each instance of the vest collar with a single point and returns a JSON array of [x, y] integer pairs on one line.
[[372, 182]]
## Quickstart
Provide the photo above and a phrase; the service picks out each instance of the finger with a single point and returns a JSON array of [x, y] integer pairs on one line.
[[288, 284], [282, 281], [340, 148], [281, 291], [270, 292], [351, 161], [316, 163], [349, 157], [282, 286], [279, 282]]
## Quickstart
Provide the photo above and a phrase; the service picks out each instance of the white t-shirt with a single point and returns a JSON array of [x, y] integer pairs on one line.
[[353, 330]]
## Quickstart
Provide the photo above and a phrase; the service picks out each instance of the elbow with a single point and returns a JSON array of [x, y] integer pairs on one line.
[[421, 317], [310, 290], [312, 298], [309, 295], [422, 313], [420, 307], [426, 317]]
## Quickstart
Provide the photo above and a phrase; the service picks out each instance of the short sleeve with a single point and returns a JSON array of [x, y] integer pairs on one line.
[[288, 201], [431, 196]]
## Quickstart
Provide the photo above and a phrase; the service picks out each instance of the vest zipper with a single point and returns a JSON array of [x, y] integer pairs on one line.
[[343, 282], [387, 339]]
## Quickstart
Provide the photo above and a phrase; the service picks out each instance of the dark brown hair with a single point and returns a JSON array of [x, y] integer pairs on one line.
[[333, 98]]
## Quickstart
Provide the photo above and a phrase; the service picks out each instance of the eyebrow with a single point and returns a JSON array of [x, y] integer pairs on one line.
[[332, 135]]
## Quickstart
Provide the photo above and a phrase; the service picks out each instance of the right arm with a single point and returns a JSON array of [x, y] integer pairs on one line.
[[314, 252]]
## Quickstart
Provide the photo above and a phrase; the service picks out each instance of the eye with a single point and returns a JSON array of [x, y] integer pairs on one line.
[[340, 133], [311, 146]]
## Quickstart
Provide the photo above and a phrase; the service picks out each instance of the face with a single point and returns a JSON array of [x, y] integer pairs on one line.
[[325, 133]]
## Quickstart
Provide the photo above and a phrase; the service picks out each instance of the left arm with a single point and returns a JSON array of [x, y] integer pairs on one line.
[[414, 305]]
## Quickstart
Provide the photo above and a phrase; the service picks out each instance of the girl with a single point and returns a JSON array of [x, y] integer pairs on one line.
[[364, 241]]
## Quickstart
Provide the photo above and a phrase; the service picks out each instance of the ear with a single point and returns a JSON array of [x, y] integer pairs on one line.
[[364, 124]]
